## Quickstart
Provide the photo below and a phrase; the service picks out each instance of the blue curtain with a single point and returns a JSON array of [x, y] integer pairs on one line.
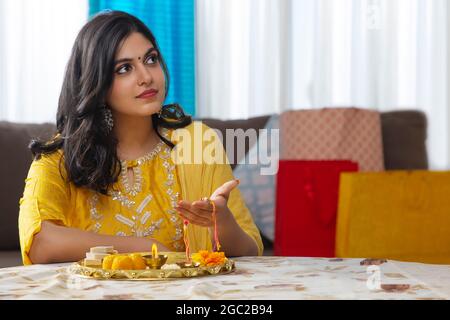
[[172, 23]]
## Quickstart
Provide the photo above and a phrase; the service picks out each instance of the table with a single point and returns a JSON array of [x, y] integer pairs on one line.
[[254, 278]]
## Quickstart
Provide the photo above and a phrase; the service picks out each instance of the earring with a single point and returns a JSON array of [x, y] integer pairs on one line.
[[107, 119], [160, 112]]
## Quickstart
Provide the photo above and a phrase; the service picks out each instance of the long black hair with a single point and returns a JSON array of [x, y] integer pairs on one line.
[[90, 155]]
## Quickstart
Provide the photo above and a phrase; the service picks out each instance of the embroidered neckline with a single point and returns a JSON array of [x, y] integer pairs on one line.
[[148, 156], [135, 166], [141, 160]]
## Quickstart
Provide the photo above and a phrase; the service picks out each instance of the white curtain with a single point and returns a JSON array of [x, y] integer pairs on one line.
[[259, 57], [36, 38], [240, 55]]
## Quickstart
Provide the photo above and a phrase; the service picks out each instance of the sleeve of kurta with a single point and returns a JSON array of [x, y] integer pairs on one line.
[[46, 197]]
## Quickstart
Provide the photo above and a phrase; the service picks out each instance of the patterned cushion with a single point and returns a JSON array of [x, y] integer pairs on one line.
[[257, 189]]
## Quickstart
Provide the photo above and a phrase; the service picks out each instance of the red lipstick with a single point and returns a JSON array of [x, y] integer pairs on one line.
[[148, 94]]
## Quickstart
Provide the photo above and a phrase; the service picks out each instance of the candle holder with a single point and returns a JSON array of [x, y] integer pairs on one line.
[[155, 262]]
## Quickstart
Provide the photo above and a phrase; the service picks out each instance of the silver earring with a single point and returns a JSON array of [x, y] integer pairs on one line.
[[107, 119], [160, 112]]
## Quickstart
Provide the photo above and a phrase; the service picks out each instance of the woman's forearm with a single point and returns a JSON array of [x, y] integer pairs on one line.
[[234, 240], [56, 243]]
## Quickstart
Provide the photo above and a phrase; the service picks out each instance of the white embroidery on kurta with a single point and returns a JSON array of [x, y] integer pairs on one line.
[[125, 220], [145, 217], [137, 223], [144, 203]]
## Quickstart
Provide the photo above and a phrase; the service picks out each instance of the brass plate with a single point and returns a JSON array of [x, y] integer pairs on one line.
[[98, 273]]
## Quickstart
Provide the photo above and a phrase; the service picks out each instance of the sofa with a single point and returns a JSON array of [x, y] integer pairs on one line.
[[404, 147]]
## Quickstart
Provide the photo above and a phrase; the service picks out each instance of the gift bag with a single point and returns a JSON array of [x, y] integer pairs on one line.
[[306, 205], [400, 215], [333, 134]]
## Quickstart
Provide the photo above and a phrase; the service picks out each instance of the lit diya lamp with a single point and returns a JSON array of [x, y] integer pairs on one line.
[[155, 260], [154, 251]]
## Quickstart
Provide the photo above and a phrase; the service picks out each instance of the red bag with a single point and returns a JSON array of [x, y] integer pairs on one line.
[[306, 206]]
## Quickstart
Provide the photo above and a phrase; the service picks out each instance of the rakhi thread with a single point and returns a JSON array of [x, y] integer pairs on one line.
[[186, 241], [216, 234]]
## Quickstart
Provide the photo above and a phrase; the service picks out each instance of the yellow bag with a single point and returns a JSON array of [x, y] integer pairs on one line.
[[400, 215]]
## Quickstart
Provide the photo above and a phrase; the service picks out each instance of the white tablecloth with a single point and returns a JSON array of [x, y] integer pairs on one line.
[[254, 278]]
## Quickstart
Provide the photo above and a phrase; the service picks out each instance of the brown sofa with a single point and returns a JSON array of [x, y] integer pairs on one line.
[[404, 136]]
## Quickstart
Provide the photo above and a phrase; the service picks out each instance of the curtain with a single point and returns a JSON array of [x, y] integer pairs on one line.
[[36, 38], [241, 57], [172, 23], [259, 57]]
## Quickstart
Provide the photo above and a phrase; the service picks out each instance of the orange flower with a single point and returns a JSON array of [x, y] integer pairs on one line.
[[206, 258]]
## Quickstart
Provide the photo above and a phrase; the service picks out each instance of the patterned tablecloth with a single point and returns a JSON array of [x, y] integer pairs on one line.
[[254, 278]]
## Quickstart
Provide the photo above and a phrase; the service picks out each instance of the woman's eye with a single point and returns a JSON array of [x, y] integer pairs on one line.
[[151, 59], [123, 69]]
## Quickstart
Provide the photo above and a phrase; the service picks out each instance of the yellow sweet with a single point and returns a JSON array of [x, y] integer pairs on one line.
[[108, 261], [122, 263], [138, 261], [132, 261]]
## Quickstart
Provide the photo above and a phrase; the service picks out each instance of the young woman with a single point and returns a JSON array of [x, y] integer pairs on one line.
[[108, 176]]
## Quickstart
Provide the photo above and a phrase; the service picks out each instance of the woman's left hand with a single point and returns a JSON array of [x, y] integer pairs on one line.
[[200, 212]]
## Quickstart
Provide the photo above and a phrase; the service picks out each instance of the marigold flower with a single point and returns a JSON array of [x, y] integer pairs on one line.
[[206, 258]]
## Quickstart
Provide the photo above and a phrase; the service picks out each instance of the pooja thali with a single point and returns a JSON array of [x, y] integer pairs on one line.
[[183, 270]]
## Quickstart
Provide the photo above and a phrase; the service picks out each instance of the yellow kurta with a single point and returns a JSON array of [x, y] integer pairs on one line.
[[144, 209]]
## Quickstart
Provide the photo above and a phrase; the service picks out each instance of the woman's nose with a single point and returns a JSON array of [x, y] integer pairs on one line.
[[145, 76]]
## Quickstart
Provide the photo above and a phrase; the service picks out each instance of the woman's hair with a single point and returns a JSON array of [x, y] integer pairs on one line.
[[90, 155]]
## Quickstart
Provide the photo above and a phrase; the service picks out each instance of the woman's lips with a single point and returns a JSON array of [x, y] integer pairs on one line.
[[148, 94]]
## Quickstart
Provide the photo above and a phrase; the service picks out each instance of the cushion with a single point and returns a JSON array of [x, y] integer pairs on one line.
[[258, 187], [14, 165], [404, 139]]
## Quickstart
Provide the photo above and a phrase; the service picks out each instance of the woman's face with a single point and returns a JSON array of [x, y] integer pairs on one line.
[[138, 87]]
